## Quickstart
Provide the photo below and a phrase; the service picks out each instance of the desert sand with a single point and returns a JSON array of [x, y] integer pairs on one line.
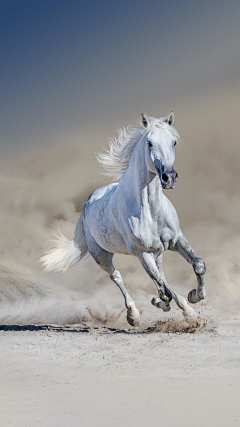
[[170, 374]]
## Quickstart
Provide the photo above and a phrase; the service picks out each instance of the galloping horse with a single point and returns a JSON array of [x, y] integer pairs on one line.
[[133, 216]]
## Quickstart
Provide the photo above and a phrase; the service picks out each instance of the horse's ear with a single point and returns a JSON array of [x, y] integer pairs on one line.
[[144, 120], [170, 118]]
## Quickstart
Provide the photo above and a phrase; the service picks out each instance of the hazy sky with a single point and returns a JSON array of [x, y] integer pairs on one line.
[[68, 63]]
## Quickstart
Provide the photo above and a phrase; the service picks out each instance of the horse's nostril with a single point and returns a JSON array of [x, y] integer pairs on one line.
[[176, 177], [164, 177]]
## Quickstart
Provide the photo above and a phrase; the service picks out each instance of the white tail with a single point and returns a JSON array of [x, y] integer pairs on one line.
[[62, 253]]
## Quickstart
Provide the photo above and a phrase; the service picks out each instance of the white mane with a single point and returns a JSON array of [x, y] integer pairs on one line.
[[115, 159]]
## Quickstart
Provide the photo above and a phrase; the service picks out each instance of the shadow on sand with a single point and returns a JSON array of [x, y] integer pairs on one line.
[[170, 326]]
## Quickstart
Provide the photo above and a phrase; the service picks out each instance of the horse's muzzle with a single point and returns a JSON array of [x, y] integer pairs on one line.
[[169, 178]]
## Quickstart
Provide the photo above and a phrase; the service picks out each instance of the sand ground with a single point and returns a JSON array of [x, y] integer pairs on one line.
[[165, 375]]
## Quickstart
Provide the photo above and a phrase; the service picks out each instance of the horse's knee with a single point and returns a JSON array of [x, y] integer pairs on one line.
[[199, 267]]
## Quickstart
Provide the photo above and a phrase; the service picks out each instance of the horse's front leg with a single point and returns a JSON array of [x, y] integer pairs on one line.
[[181, 302], [184, 248], [148, 261]]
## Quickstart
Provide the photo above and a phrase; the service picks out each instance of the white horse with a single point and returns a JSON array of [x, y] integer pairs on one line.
[[133, 216]]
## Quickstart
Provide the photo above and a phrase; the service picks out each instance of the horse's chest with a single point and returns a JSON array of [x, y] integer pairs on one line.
[[151, 234]]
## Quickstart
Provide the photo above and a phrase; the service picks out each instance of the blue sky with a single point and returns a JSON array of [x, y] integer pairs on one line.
[[66, 63]]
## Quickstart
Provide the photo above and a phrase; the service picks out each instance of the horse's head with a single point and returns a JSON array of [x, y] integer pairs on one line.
[[160, 140]]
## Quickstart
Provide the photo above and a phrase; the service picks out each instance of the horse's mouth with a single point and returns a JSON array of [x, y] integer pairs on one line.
[[167, 186]]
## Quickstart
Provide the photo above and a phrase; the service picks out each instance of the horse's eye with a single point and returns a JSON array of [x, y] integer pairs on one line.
[[175, 143], [149, 144]]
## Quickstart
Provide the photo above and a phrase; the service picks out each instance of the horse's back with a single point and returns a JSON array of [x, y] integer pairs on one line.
[[100, 193]]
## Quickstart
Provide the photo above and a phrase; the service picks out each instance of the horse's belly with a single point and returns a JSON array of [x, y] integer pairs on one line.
[[111, 241], [105, 233]]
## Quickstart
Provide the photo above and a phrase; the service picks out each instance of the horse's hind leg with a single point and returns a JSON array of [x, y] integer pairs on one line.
[[181, 302], [133, 315], [184, 248], [104, 260]]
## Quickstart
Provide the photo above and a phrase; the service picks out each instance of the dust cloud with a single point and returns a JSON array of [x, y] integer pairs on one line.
[[40, 190]]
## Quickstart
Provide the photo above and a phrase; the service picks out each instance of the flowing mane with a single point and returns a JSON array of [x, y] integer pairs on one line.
[[115, 158]]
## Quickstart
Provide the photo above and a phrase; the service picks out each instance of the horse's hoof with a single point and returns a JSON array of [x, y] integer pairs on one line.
[[193, 297], [160, 304], [155, 301], [165, 307], [189, 313], [133, 318]]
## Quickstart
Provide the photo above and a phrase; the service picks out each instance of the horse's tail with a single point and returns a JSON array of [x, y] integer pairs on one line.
[[62, 253]]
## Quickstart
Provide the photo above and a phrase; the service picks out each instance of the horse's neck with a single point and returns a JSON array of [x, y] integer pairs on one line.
[[144, 186]]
